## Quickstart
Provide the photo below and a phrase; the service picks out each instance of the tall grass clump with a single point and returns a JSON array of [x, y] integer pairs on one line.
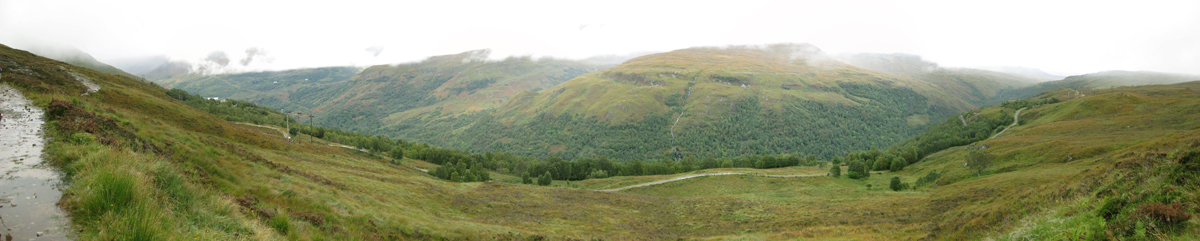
[[107, 192]]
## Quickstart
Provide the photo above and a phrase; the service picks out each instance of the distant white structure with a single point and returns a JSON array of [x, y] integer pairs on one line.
[[215, 98]]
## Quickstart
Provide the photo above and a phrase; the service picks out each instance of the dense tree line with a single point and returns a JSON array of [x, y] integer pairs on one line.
[[1018, 104]]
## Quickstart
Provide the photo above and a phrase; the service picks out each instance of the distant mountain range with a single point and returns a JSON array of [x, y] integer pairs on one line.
[[738, 100]]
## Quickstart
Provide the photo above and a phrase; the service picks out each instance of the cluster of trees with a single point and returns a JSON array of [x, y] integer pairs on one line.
[[543, 180], [230, 110], [555, 168], [1024, 103], [459, 172]]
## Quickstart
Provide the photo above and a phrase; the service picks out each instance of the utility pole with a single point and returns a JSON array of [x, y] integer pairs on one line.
[[310, 125], [287, 125]]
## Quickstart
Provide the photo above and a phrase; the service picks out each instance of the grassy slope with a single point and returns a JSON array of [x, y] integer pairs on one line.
[[193, 175], [259, 85], [1063, 158], [74, 56], [205, 166], [386, 94]]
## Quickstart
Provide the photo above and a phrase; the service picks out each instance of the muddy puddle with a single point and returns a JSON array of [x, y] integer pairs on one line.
[[29, 187]]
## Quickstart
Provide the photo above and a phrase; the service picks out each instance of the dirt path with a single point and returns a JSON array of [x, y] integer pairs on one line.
[[963, 120], [29, 187], [350, 147], [701, 175], [1015, 120], [281, 131]]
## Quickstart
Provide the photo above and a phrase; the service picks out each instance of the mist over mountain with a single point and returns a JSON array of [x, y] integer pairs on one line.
[[65, 53], [973, 85], [1023, 71], [139, 65]]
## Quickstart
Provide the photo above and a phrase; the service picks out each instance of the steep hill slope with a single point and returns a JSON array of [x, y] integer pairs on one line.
[[73, 56], [1117, 164], [975, 86], [379, 95], [272, 87], [786, 98]]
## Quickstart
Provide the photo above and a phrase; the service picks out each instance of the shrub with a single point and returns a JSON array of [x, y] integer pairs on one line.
[[396, 153], [929, 178], [280, 223], [858, 170], [1169, 215], [1189, 166], [898, 164], [82, 138], [979, 161], [835, 171], [896, 185], [545, 179], [110, 192], [1111, 208]]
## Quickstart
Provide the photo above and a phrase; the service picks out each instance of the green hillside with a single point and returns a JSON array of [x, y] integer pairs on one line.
[[1117, 163], [973, 85], [272, 86], [787, 98], [386, 94]]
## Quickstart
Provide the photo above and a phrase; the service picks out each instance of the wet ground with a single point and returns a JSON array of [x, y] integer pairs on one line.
[[29, 187]]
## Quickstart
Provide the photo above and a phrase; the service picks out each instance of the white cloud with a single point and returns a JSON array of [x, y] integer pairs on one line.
[[1071, 37]]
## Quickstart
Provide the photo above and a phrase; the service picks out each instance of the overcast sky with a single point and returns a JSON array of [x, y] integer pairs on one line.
[[1059, 37]]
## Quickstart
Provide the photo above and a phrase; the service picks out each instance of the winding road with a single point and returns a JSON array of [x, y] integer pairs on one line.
[[701, 175], [1015, 120]]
